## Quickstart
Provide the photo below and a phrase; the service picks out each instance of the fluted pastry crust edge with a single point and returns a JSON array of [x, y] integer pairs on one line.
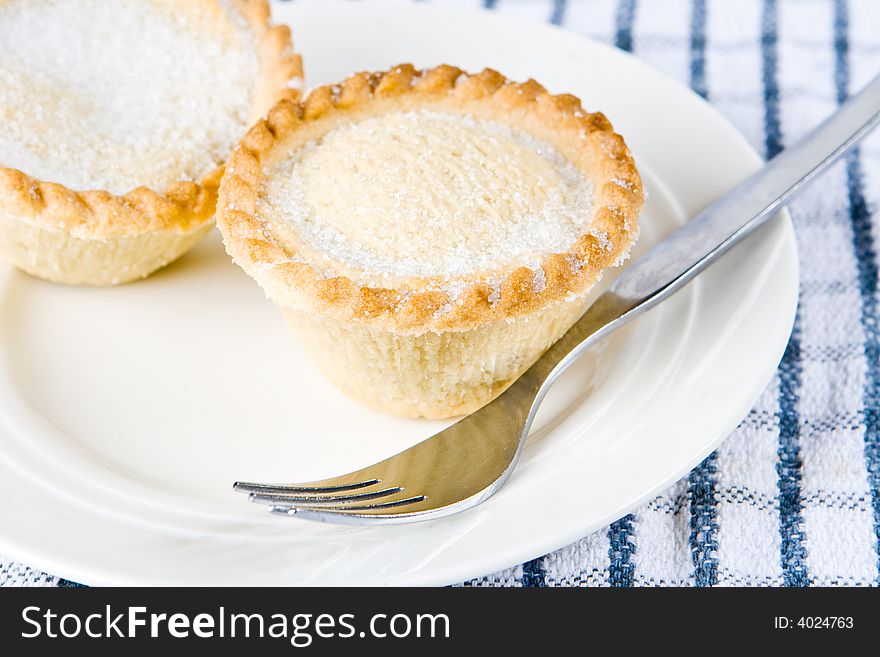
[[618, 199]]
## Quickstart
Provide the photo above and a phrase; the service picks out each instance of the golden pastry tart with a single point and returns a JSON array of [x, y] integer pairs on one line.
[[115, 119], [429, 233]]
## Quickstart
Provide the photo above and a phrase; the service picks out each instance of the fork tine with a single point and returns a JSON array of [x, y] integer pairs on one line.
[[453, 470], [292, 489], [292, 509], [292, 500]]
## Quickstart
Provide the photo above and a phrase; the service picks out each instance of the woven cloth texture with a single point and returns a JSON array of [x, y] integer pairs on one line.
[[792, 497]]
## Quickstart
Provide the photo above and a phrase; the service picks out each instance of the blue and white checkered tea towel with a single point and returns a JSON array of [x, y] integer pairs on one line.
[[792, 497]]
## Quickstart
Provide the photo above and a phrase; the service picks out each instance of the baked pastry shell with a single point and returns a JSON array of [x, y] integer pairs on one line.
[[379, 343], [93, 237]]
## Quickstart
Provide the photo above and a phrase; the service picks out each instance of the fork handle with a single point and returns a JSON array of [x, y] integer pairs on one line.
[[670, 264]]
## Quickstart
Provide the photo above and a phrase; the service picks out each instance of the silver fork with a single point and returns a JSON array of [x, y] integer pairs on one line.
[[466, 463]]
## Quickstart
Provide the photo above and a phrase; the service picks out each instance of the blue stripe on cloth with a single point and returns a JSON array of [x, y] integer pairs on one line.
[[769, 72], [703, 494], [533, 573], [621, 548], [624, 20], [620, 552], [698, 48], [702, 481], [558, 14], [788, 467], [866, 264]]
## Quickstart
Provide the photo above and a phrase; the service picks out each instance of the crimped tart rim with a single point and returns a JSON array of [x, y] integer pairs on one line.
[[184, 206], [618, 199]]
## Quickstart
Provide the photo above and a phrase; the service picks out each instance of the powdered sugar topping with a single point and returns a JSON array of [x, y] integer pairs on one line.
[[428, 195], [114, 95]]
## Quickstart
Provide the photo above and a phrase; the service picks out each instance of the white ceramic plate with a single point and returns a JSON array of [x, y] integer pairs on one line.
[[127, 413]]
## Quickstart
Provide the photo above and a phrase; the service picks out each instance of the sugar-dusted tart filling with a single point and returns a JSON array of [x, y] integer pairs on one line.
[[114, 95], [425, 194]]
